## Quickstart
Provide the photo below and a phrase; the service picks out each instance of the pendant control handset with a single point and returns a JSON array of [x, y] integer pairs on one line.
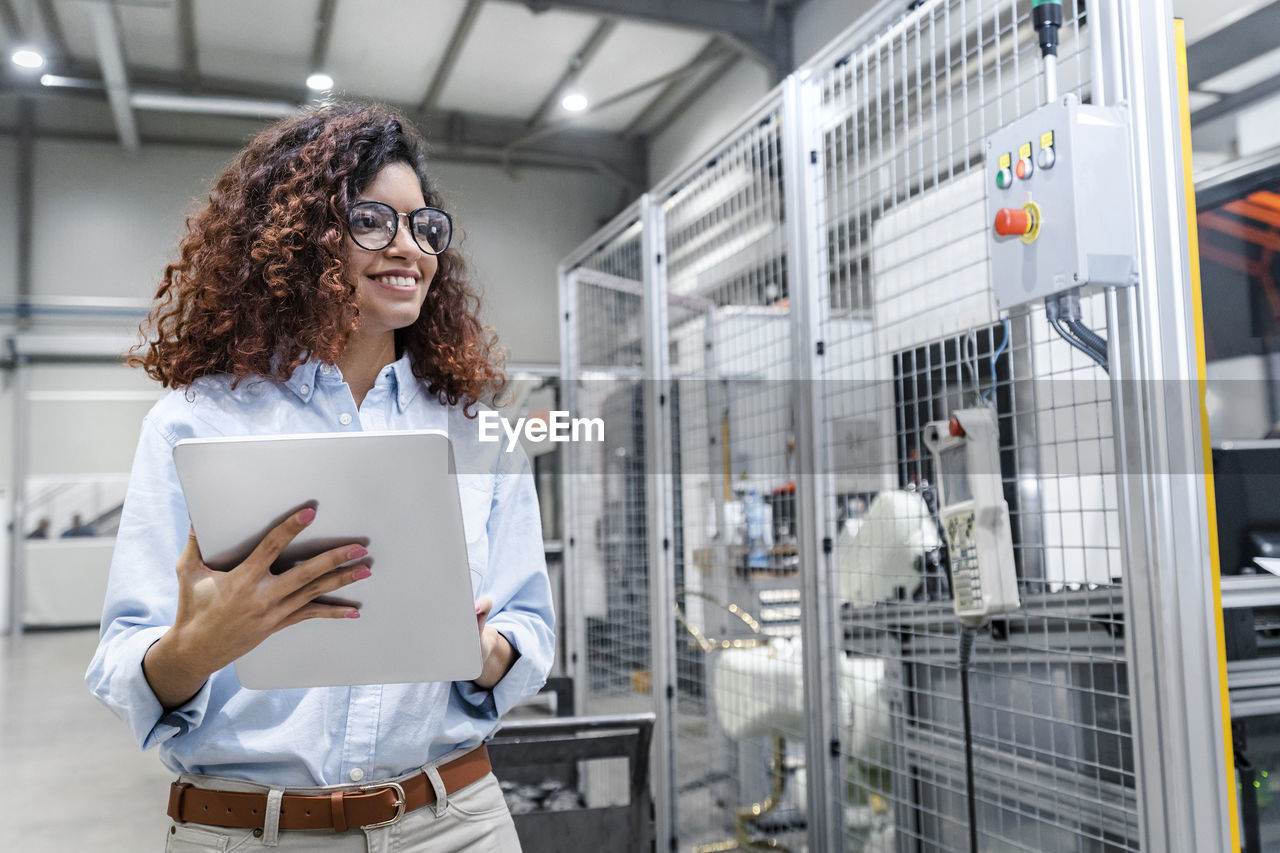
[[974, 514]]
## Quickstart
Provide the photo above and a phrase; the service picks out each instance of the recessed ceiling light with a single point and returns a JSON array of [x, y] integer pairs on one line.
[[25, 57], [320, 82], [574, 102]]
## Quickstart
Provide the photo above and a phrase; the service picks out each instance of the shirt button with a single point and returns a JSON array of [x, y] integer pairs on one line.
[[305, 389], [326, 369], [344, 418], [357, 775]]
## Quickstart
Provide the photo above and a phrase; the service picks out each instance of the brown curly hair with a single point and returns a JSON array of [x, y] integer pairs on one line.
[[261, 285]]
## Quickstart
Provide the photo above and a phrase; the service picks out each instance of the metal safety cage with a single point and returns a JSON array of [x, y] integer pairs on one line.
[[607, 571], [739, 728], [1065, 731], [803, 300]]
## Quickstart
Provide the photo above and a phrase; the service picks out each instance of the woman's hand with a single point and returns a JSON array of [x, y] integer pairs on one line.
[[223, 615], [496, 651]]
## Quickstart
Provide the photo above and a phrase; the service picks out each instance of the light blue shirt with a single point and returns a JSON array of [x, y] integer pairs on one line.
[[331, 735]]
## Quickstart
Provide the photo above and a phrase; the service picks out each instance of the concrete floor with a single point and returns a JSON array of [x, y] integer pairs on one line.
[[74, 778]]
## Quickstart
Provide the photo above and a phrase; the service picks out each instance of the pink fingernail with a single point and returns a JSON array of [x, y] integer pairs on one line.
[[361, 573], [353, 614], [356, 553], [305, 516]]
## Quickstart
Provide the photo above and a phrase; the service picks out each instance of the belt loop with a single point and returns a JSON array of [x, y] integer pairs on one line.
[[441, 805], [176, 790], [339, 811], [271, 825]]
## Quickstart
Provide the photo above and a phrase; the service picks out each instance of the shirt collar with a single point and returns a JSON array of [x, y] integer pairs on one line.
[[405, 385], [303, 380]]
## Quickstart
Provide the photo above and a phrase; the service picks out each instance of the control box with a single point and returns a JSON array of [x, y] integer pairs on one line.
[[1059, 202]]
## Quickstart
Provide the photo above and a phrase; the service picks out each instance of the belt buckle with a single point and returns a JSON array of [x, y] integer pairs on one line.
[[400, 803]]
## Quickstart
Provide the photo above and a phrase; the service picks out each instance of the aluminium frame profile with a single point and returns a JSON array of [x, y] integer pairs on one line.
[[1177, 718]]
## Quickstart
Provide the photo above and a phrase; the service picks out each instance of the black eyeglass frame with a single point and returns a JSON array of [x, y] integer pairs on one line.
[[408, 221]]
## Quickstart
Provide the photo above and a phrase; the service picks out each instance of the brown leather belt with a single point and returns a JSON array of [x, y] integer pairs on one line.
[[366, 807]]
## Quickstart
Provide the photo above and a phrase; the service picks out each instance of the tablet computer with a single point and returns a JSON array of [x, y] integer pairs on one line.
[[394, 492]]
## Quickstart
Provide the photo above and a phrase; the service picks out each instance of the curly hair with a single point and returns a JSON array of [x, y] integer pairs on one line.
[[261, 284]]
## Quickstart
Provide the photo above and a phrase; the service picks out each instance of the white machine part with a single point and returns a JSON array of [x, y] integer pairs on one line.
[[885, 554], [974, 514], [760, 690], [1059, 202]]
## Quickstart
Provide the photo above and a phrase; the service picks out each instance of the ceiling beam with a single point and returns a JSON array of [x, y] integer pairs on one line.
[[324, 33], [553, 128], [188, 45], [106, 36], [52, 27], [710, 50], [1252, 35], [11, 22], [718, 70], [451, 54], [1237, 101], [455, 136], [764, 33], [577, 63]]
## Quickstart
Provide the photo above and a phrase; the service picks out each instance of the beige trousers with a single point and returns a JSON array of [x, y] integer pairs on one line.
[[474, 818]]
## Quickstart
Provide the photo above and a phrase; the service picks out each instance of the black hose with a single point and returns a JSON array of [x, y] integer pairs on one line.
[[967, 636], [1089, 336], [1099, 357]]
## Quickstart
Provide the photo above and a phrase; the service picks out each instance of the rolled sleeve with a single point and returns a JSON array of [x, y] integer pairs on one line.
[[130, 696], [517, 582], [142, 594]]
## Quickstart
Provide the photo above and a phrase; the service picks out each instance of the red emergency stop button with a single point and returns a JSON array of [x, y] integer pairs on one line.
[[1013, 222]]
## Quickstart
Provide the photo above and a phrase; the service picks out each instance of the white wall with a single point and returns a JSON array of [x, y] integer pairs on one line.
[[128, 214], [8, 235], [727, 102], [515, 230], [707, 119], [817, 22]]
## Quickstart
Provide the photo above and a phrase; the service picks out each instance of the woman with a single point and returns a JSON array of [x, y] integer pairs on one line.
[[317, 292]]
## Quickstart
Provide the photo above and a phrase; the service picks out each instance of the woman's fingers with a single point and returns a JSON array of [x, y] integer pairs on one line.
[[276, 541], [318, 566], [325, 584], [317, 610]]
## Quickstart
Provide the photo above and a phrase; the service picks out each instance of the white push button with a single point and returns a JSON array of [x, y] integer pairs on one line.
[[344, 418]]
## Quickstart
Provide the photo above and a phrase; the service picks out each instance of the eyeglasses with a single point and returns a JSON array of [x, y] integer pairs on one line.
[[373, 226]]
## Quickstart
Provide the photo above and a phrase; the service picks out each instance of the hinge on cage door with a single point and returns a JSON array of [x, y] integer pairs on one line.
[[822, 348], [827, 545]]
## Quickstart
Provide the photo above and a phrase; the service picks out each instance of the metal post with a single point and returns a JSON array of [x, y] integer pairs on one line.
[[18, 496], [572, 618], [1169, 594], [801, 177], [657, 448]]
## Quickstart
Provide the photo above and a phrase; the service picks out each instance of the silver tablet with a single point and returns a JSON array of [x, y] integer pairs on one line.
[[394, 492]]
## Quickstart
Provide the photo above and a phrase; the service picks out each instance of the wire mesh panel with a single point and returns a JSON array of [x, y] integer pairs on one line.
[[739, 731], [912, 335], [605, 517]]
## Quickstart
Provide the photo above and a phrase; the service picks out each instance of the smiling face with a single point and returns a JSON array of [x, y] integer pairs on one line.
[[391, 283]]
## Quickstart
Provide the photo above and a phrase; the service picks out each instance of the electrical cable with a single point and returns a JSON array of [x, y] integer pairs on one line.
[[967, 635], [995, 357], [1089, 336], [1093, 354], [1053, 312]]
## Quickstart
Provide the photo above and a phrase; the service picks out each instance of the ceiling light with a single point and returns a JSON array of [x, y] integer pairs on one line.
[[320, 82], [26, 57], [574, 102]]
